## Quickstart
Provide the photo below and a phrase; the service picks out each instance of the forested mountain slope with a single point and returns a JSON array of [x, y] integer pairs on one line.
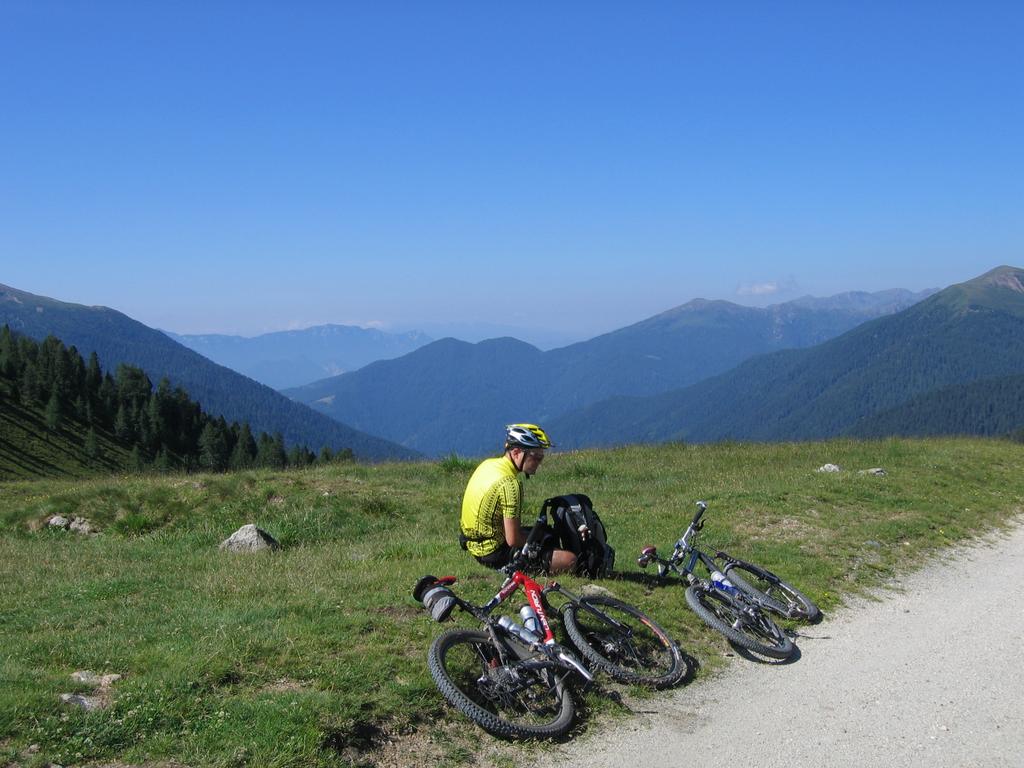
[[989, 407], [63, 416], [117, 339], [455, 396], [967, 333]]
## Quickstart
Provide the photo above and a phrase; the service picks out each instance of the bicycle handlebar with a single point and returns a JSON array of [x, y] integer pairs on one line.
[[701, 509]]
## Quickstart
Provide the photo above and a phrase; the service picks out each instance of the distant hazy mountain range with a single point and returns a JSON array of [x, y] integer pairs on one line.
[[857, 364], [950, 364], [455, 396], [116, 338], [291, 358]]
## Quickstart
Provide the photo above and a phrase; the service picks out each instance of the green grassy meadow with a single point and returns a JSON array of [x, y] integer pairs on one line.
[[316, 654]]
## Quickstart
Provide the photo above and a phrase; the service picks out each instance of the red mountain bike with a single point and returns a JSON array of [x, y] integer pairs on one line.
[[512, 680]]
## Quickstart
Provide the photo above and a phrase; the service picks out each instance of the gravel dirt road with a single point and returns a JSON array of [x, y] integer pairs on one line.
[[932, 674]]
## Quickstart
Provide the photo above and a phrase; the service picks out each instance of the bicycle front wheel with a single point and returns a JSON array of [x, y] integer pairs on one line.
[[623, 642], [746, 626], [521, 699], [777, 595]]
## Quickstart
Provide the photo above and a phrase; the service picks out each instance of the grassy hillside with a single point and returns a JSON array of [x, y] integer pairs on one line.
[[29, 449], [316, 655]]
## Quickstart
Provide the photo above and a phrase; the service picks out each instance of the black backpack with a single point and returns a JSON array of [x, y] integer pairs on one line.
[[594, 556]]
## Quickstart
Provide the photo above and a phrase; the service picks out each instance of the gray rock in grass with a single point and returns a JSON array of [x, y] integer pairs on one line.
[[101, 695], [82, 526], [249, 538], [88, 677], [88, 703], [77, 524]]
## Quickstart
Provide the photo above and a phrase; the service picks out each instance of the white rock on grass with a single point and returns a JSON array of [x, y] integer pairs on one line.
[[249, 538], [88, 703], [82, 526], [874, 471], [100, 697], [88, 677], [830, 468], [77, 524]]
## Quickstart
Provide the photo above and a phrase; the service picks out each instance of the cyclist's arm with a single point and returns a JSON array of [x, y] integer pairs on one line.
[[514, 532], [510, 502]]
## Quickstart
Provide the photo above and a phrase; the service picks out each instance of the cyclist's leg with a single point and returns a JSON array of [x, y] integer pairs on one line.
[[559, 560], [498, 558], [552, 559]]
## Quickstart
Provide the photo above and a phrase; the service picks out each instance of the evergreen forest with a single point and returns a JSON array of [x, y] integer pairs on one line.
[[85, 418]]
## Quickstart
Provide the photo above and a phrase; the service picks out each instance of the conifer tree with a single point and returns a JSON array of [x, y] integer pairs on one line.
[[76, 377], [279, 457], [213, 447], [92, 445], [93, 377], [9, 363], [300, 456], [53, 413], [163, 461], [135, 460], [264, 448], [244, 454], [271, 452], [107, 398], [158, 412], [29, 385], [121, 426]]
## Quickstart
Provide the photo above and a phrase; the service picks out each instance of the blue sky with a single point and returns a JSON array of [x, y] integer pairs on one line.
[[559, 168]]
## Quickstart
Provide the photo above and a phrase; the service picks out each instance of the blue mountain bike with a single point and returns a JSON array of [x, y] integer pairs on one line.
[[733, 596]]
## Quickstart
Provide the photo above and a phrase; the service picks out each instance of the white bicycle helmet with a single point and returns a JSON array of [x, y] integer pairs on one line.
[[526, 436]]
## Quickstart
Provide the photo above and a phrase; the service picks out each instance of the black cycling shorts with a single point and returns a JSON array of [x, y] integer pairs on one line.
[[500, 557]]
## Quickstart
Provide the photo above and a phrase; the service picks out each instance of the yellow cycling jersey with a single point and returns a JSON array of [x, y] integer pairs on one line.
[[494, 493]]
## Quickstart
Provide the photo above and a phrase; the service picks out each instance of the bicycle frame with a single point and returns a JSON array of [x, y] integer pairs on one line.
[[685, 556], [684, 550], [728, 562], [517, 580], [535, 593], [685, 544], [534, 596]]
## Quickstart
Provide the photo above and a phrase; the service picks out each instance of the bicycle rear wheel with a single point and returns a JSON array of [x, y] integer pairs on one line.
[[778, 596], [744, 625], [517, 700], [623, 641]]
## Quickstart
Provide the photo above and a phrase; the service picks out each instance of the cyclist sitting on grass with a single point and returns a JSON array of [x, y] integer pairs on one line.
[[492, 505]]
